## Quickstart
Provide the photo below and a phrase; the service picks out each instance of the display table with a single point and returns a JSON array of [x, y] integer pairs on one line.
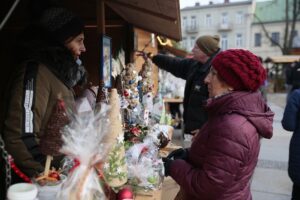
[[173, 100], [174, 106], [168, 191], [153, 195]]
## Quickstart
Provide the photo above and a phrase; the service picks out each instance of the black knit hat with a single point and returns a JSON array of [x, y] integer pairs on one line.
[[61, 24]]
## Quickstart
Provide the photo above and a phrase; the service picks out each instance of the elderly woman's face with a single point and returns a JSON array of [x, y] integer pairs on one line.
[[76, 45], [216, 86]]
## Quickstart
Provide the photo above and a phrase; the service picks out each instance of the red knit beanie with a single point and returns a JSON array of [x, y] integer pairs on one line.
[[240, 69]]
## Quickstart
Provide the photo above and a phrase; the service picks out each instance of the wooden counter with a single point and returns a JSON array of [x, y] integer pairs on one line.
[[153, 195], [173, 100], [168, 191]]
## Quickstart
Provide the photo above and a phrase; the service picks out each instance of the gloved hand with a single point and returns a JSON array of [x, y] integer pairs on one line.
[[167, 163], [178, 154]]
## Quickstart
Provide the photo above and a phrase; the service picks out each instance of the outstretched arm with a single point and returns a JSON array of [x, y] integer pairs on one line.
[[177, 66]]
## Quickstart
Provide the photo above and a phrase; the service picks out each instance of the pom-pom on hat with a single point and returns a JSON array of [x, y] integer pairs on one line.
[[240, 69], [208, 44], [61, 24]]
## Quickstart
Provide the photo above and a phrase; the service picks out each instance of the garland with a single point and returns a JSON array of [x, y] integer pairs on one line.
[[18, 171]]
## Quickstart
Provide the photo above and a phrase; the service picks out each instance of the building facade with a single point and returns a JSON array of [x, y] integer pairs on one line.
[[270, 15], [239, 25], [230, 20]]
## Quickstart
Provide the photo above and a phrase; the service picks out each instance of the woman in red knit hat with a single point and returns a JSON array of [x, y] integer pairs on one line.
[[221, 160]]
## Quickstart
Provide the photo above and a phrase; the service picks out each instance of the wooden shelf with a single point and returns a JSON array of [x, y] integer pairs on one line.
[[173, 100]]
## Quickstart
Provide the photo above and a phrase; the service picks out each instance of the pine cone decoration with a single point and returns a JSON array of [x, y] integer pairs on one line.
[[51, 141], [101, 95]]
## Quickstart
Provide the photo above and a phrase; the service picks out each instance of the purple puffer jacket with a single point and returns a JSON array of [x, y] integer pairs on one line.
[[224, 154]]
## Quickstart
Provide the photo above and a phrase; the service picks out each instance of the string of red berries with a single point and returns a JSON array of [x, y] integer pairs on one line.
[[19, 173]]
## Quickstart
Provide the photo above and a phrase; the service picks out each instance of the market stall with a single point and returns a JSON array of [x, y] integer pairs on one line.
[[276, 67], [115, 149]]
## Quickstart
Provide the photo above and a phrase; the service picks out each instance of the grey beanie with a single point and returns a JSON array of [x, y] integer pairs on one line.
[[208, 44]]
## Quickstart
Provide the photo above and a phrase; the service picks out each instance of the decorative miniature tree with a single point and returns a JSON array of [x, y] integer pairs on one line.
[[115, 168]]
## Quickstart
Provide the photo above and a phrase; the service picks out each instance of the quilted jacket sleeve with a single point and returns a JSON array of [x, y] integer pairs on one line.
[[290, 117]]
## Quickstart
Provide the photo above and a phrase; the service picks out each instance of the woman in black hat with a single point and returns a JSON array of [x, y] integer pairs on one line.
[[46, 57]]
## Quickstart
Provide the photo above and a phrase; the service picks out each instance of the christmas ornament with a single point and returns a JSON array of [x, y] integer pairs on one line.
[[125, 194], [51, 141]]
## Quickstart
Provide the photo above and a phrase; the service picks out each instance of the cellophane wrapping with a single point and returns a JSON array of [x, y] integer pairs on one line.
[[145, 167], [83, 142]]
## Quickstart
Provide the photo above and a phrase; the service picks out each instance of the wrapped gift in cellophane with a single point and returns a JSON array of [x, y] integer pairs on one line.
[[83, 142], [145, 167]]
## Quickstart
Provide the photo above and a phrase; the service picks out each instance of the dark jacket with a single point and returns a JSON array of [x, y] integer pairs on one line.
[[195, 92], [291, 122], [222, 158], [45, 70]]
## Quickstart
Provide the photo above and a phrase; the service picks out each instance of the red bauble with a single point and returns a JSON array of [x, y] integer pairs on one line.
[[54, 175], [125, 194], [126, 94]]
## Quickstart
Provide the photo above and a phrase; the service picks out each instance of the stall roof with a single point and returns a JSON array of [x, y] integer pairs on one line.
[[157, 16], [283, 59]]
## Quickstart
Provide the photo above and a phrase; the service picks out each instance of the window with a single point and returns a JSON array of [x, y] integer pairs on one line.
[[239, 18], [184, 21], [224, 18], [208, 20], [257, 39], [275, 38], [296, 39], [193, 22], [295, 33], [184, 42], [224, 42], [192, 42], [239, 40]]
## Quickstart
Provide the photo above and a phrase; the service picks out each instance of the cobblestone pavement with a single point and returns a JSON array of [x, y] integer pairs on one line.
[[278, 99]]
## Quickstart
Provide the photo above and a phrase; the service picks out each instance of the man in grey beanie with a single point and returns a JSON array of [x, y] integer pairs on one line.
[[193, 71]]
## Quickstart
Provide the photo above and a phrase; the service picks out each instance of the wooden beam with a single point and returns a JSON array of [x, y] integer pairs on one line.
[[100, 17], [101, 31], [142, 10], [108, 23], [116, 22]]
